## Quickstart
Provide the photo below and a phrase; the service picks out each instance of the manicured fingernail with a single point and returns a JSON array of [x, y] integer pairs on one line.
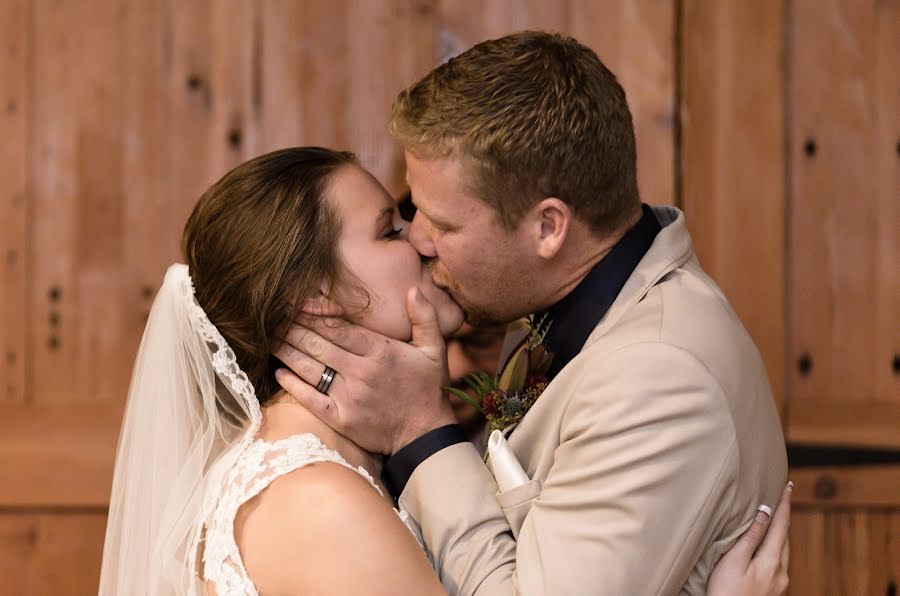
[[763, 513], [280, 372], [790, 486]]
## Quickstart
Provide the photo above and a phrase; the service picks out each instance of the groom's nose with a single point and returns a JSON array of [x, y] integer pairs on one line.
[[420, 236]]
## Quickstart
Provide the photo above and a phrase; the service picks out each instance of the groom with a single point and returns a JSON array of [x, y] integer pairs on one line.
[[657, 436]]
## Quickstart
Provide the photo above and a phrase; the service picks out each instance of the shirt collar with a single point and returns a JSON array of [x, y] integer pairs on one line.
[[574, 317]]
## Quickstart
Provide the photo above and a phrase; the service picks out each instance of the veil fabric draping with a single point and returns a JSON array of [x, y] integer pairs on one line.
[[190, 413]]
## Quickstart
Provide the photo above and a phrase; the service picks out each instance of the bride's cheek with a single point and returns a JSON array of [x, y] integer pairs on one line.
[[406, 262]]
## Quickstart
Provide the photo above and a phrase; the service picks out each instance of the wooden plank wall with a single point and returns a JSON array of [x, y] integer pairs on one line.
[[788, 156], [135, 108], [115, 115], [844, 286], [843, 87], [731, 159]]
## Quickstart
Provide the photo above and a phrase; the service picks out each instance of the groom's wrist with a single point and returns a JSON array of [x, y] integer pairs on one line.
[[399, 467]]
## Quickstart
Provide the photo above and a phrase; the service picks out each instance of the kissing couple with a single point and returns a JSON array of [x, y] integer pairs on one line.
[[288, 430]]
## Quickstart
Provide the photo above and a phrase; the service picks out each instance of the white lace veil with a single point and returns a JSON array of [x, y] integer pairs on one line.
[[190, 412]]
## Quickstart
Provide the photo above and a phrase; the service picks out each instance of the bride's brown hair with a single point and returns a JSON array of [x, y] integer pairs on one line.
[[259, 242]]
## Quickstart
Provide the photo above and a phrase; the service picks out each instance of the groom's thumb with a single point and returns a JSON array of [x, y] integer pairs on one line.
[[426, 333]]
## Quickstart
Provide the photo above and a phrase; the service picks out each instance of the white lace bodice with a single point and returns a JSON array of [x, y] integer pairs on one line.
[[255, 469]]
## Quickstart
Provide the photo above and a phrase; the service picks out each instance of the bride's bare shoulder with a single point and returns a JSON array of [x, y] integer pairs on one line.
[[322, 527], [311, 498]]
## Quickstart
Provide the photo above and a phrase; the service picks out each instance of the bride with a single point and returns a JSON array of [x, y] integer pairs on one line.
[[223, 484]]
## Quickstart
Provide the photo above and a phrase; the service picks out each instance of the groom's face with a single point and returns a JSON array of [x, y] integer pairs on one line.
[[481, 264]]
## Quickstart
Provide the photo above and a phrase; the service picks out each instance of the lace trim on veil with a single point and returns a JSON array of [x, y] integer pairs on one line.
[[224, 360], [226, 366]]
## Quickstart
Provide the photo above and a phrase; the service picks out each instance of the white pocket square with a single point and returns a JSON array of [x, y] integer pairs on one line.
[[507, 470]]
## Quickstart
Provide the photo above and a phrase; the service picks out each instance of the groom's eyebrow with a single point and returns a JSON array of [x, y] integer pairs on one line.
[[437, 221], [441, 224]]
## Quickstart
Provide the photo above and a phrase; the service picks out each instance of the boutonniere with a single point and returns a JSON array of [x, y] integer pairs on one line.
[[504, 399]]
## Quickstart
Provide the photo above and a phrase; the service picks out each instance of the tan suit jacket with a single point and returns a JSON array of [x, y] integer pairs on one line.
[[649, 453]]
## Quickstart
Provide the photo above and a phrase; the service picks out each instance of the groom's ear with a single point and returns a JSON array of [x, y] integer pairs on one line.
[[322, 306], [550, 219]]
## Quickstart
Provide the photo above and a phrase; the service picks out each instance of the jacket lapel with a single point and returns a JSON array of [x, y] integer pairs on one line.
[[671, 249]]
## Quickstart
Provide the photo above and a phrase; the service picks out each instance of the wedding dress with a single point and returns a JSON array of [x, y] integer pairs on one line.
[[257, 468], [189, 456]]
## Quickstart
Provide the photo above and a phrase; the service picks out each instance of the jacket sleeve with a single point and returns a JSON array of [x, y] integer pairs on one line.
[[640, 484]]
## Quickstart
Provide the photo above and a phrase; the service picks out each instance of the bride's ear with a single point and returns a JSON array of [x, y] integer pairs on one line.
[[322, 306]]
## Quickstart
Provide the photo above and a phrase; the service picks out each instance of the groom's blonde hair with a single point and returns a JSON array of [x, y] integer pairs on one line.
[[531, 115]]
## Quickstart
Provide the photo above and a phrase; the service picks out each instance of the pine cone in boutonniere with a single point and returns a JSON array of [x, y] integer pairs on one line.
[[506, 398]]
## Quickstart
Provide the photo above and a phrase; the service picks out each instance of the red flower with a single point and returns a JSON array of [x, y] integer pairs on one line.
[[490, 405], [535, 380]]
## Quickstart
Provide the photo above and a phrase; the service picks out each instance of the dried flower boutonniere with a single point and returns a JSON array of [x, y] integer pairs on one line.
[[504, 399]]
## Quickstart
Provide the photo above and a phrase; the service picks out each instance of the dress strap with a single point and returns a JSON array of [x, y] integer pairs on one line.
[[286, 455]]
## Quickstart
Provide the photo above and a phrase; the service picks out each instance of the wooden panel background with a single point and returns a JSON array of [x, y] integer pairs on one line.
[[844, 120], [50, 552], [845, 552], [135, 108], [731, 158], [773, 124]]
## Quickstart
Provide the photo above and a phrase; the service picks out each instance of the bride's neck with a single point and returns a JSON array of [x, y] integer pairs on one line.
[[283, 417]]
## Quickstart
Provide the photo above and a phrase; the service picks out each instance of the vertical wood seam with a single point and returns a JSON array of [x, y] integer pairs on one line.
[[787, 140], [677, 137], [27, 258]]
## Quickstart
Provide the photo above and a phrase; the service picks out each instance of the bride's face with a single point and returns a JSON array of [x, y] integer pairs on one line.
[[374, 248]]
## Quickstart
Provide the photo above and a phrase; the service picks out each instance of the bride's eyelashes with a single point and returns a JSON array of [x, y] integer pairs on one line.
[[393, 234]]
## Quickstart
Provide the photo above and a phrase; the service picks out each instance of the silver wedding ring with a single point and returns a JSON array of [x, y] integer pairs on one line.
[[325, 381]]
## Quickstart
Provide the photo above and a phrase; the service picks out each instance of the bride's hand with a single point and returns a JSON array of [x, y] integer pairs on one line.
[[757, 565]]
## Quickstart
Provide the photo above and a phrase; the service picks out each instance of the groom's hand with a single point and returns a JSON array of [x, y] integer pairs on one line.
[[386, 393]]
